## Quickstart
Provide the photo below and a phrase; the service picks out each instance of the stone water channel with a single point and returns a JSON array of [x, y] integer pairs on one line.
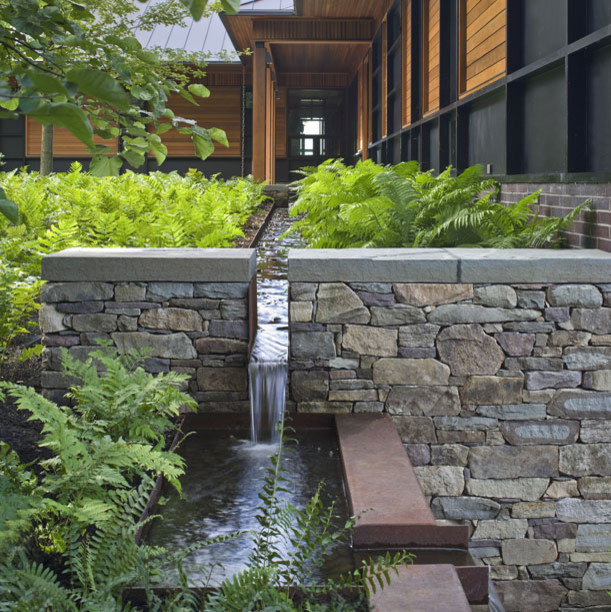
[[225, 469]]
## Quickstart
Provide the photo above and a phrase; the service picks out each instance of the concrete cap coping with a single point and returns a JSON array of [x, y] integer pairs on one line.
[[171, 265], [372, 265], [450, 265]]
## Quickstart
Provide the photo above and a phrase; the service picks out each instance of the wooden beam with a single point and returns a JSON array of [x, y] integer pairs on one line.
[[349, 31], [259, 111], [316, 80]]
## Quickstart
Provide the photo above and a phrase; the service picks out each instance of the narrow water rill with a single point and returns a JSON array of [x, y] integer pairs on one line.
[[268, 367]]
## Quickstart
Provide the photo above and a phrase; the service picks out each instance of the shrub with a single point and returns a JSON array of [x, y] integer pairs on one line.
[[132, 210], [368, 205], [67, 534]]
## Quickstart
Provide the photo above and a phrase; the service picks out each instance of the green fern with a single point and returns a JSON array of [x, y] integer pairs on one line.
[[312, 534], [75, 209], [368, 205]]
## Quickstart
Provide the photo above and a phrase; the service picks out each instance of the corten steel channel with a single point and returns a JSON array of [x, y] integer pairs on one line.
[[383, 490], [422, 588]]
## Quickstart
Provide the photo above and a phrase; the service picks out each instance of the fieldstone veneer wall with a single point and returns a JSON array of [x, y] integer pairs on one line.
[[496, 367], [188, 307]]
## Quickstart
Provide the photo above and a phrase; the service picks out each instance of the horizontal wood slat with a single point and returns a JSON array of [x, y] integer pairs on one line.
[[223, 109], [312, 29], [313, 79], [64, 143], [483, 28]]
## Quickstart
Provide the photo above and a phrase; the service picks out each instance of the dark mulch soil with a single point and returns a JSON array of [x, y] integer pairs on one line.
[[15, 429], [253, 224]]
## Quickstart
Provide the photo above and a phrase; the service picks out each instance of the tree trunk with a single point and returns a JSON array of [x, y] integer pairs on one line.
[[46, 150]]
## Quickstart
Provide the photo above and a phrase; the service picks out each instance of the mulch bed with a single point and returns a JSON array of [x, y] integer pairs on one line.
[[15, 429], [253, 224]]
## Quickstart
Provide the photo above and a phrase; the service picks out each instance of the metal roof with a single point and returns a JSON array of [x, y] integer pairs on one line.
[[207, 35]]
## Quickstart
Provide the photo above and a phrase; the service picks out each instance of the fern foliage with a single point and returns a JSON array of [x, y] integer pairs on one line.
[[368, 205], [76, 209]]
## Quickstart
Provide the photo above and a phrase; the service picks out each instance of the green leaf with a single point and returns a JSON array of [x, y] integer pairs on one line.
[[100, 86], [197, 89], [219, 135], [230, 6], [128, 43], [10, 105], [8, 208], [203, 146], [105, 166], [133, 158], [47, 83], [162, 128], [160, 151], [196, 7], [66, 115]]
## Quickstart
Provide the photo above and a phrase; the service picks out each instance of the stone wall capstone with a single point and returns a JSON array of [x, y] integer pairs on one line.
[[188, 308], [496, 368]]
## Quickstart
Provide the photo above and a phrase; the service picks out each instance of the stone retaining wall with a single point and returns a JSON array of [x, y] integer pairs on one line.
[[496, 367], [188, 307]]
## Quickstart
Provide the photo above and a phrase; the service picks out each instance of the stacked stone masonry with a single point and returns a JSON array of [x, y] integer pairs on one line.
[[198, 327], [501, 393]]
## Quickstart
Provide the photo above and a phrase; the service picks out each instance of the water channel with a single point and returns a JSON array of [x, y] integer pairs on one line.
[[224, 470]]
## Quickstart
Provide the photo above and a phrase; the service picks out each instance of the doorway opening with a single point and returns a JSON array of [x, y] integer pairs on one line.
[[315, 121]]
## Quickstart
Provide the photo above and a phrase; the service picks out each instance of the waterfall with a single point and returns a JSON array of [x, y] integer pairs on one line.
[[267, 374], [268, 366], [267, 390]]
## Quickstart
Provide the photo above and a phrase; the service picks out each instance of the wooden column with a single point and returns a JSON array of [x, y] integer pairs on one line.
[[270, 136], [259, 112], [365, 106], [384, 78]]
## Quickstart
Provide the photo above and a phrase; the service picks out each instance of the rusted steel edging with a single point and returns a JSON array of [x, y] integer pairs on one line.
[[159, 485], [383, 490], [268, 217], [422, 588]]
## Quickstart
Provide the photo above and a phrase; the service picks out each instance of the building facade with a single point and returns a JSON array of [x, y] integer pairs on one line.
[[522, 87]]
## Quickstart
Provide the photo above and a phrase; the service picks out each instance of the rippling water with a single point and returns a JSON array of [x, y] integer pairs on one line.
[[268, 368], [220, 497]]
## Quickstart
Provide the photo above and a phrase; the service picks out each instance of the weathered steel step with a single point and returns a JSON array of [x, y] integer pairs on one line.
[[383, 490], [422, 588]]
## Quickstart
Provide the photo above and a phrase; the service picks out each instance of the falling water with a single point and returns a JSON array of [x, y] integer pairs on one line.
[[268, 367]]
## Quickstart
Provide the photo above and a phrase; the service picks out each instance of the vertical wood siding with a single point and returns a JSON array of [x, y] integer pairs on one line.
[[431, 54]]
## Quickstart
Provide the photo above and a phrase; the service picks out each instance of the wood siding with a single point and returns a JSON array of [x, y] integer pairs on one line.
[[431, 55], [64, 143], [406, 61], [223, 109], [384, 79], [281, 123], [483, 35]]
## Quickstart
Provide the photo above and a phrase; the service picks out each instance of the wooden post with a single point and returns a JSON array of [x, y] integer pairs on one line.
[[259, 111], [384, 78]]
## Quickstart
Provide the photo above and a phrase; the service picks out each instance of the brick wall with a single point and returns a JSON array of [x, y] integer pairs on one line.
[[592, 229]]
